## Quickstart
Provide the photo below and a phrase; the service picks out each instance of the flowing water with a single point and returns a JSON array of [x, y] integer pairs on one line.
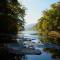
[[34, 37]]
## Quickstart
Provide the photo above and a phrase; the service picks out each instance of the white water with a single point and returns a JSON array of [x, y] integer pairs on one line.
[[34, 36]]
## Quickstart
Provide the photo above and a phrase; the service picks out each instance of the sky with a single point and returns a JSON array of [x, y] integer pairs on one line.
[[34, 9]]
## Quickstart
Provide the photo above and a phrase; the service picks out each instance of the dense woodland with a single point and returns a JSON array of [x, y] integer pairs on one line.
[[49, 27], [11, 18], [11, 21], [49, 23]]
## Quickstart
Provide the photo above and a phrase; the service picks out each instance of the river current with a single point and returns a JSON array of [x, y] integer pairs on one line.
[[33, 35]]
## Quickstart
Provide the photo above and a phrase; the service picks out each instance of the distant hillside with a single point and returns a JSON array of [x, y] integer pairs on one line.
[[30, 26]]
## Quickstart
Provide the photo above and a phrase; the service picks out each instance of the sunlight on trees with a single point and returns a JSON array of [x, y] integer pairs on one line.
[[49, 23], [49, 27]]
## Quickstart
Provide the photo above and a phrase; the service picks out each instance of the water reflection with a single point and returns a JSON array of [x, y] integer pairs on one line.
[[51, 46]]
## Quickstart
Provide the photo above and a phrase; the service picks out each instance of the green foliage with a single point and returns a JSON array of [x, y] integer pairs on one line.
[[49, 27], [50, 18], [10, 11], [50, 22], [11, 18]]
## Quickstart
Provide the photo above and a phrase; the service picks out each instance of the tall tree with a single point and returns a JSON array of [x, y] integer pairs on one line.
[[49, 26], [10, 12], [50, 19]]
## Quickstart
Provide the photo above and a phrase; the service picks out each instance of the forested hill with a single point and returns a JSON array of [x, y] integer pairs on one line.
[[30, 26]]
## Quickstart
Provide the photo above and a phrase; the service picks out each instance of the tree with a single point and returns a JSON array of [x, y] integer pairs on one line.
[[49, 27], [10, 12], [50, 22]]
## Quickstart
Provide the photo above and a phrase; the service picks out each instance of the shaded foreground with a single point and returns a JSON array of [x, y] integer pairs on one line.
[[14, 51], [21, 49], [10, 23], [4, 54]]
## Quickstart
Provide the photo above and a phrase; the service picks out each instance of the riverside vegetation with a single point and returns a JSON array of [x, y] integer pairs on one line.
[[48, 26], [11, 21]]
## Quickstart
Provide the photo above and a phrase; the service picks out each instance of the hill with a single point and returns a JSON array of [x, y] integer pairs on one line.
[[30, 26]]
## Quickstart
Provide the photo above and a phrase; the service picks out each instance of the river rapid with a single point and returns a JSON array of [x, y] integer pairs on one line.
[[33, 35]]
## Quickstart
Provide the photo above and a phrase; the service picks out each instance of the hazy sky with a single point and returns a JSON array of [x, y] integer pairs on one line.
[[34, 9]]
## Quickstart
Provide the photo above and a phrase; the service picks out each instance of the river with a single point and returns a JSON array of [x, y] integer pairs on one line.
[[33, 35]]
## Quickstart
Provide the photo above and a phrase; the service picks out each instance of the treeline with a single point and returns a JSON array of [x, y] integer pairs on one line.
[[49, 27], [11, 21], [11, 18], [49, 23]]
